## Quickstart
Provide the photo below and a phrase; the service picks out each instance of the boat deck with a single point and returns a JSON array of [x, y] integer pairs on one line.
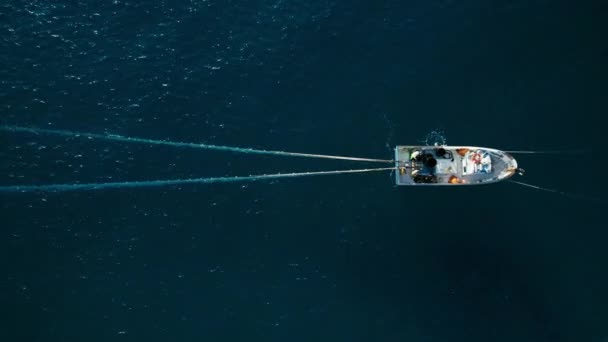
[[442, 165]]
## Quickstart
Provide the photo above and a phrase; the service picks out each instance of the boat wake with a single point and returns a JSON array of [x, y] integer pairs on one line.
[[145, 141], [173, 182]]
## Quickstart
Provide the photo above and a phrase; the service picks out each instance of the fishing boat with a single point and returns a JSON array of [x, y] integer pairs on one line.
[[452, 165], [413, 165]]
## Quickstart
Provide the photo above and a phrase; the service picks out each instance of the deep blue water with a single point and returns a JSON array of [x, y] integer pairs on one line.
[[336, 258]]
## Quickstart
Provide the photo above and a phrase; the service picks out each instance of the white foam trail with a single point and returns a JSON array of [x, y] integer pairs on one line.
[[121, 138], [170, 182]]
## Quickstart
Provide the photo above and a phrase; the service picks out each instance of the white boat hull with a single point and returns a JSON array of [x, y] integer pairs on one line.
[[451, 165]]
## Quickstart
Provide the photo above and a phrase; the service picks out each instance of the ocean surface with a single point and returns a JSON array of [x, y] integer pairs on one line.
[[328, 258]]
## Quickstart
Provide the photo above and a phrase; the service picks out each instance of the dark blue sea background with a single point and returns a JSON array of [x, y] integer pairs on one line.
[[328, 258]]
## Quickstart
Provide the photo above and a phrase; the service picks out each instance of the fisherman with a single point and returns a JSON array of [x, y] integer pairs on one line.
[[416, 156]]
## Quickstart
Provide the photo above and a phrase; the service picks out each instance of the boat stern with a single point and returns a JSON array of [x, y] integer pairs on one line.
[[403, 166]]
